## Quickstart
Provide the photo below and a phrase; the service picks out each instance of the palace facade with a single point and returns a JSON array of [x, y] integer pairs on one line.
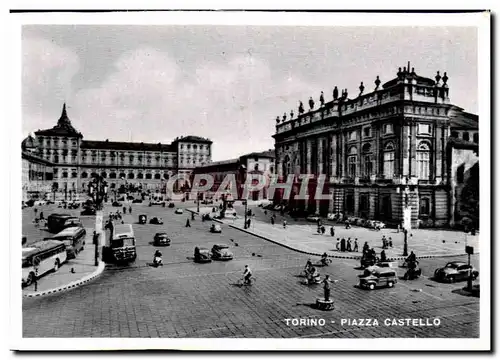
[[146, 166], [381, 151]]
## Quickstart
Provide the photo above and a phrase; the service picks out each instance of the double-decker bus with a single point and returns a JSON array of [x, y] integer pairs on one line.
[[40, 258]]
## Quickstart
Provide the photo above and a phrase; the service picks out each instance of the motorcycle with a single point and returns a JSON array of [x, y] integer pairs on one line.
[[157, 260], [413, 272]]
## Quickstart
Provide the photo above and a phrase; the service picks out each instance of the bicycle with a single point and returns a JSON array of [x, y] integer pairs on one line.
[[251, 281]]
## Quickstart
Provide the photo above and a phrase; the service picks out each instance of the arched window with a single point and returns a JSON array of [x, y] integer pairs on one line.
[[65, 174], [104, 174], [130, 175], [140, 176], [466, 136], [112, 175], [74, 174], [84, 175], [93, 175], [367, 160], [423, 161], [149, 176], [122, 175], [389, 160], [352, 159], [256, 167], [166, 176], [157, 176]]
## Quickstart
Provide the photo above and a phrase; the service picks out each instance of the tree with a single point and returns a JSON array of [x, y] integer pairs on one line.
[[469, 197]]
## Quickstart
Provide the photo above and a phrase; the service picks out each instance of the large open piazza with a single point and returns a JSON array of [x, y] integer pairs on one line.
[[187, 299]]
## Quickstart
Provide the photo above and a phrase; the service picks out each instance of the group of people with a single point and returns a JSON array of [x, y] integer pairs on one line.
[[129, 210], [386, 243], [311, 273], [347, 245]]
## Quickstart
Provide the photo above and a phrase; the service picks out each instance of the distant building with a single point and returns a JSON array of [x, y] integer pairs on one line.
[[37, 173], [145, 166], [381, 151], [257, 163]]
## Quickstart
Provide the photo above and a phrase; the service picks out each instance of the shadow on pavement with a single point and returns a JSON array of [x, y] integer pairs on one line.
[[465, 292]]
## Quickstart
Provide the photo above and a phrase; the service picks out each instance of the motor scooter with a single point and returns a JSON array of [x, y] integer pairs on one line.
[[312, 280], [413, 272]]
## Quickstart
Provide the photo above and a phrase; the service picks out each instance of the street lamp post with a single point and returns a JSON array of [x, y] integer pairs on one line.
[[245, 202], [405, 231]]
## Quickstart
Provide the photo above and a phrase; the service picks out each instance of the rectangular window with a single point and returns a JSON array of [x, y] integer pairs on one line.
[[389, 164], [465, 136], [367, 131], [424, 128], [352, 135], [352, 166], [368, 165], [388, 129], [423, 165]]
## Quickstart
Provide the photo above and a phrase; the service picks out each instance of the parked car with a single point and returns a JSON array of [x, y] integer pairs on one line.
[[116, 204], [378, 278], [215, 228], [455, 271], [171, 205], [161, 239], [221, 252], [202, 255], [179, 211], [39, 203], [313, 218], [143, 219], [156, 221], [88, 211], [137, 201]]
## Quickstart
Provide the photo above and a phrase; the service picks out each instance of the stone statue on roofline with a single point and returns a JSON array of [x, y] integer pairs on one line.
[[335, 93], [311, 103], [301, 108]]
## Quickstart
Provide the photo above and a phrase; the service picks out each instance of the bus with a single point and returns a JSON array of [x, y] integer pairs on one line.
[[40, 258], [59, 222], [120, 246], [74, 239]]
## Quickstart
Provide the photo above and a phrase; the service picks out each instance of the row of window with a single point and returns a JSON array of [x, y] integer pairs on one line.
[[385, 205], [466, 136], [57, 142], [195, 147], [113, 175]]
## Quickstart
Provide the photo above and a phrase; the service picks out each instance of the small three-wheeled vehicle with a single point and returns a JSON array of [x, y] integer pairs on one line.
[[202, 255], [143, 219]]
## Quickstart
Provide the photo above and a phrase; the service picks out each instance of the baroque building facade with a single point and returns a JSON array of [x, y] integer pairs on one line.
[[381, 152], [145, 166]]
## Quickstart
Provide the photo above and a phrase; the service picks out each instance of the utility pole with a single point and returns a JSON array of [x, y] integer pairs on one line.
[[245, 202]]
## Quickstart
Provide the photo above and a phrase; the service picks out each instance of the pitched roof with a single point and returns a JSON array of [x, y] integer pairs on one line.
[[263, 154], [62, 128], [193, 138], [464, 120], [131, 146]]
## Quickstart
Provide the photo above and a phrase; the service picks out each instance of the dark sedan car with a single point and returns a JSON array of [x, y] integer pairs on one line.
[[156, 221], [116, 204], [221, 252], [136, 201], [88, 211], [455, 271], [202, 255], [161, 239]]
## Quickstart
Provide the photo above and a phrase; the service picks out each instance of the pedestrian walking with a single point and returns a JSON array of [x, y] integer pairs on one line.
[[326, 287], [249, 222], [124, 210], [130, 209], [272, 220], [36, 211], [337, 245], [349, 245], [188, 224], [355, 245], [41, 216], [389, 242], [366, 247], [332, 231], [342, 245], [265, 212], [323, 230], [284, 224]]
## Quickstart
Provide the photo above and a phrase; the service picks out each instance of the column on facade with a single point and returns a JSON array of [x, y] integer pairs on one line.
[[333, 156], [319, 155], [405, 150], [437, 151], [413, 150], [308, 155]]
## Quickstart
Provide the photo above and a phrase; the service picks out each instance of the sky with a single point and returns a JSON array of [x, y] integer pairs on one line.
[[227, 83]]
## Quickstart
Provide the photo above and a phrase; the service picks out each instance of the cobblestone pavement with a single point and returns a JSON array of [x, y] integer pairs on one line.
[[303, 235], [184, 299]]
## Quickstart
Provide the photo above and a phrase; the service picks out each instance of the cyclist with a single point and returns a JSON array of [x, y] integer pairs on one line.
[[247, 274]]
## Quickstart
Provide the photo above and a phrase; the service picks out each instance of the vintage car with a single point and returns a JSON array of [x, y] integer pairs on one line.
[[74, 205], [161, 239], [137, 201], [202, 255], [367, 261], [116, 204], [156, 221], [179, 211], [313, 218], [455, 271], [171, 205], [88, 211], [143, 219], [221, 252], [379, 266], [215, 228], [378, 278]]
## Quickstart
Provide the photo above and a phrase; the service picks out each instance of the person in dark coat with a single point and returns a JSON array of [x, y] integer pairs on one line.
[[342, 245], [349, 245], [188, 224], [323, 230], [124, 210], [356, 249], [332, 231], [41, 215], [272, 220]]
